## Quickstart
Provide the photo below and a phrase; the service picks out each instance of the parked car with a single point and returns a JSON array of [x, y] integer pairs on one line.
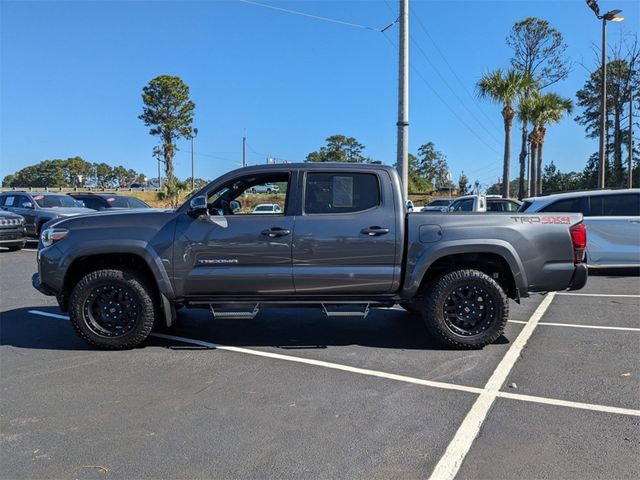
[[12, 233], [437, 205], [484, 203], [104, 201], [267, 208], [612, 218], [265, 188], [343, 242], [39, 208]]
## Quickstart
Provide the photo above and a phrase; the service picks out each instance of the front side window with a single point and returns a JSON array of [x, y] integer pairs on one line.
[[618, 205], [9, 201], [256, 194], [341, 192], [465, 205]]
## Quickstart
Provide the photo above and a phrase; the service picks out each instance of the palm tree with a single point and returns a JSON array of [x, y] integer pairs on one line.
[[527, 113], [548, 108], [504, 88]]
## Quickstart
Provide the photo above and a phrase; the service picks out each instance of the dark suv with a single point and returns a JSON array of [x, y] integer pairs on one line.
[[104, 201], [11, 231], [38, 208]]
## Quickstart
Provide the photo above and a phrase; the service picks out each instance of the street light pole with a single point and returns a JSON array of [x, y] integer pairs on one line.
[[603, 109], [403, 101], [193, 164], [611, 16]]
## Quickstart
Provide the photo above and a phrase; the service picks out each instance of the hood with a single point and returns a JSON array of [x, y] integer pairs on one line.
[[10, 215]]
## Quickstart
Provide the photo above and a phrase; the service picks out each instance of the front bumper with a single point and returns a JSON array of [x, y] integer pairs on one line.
[[41, 287], [12, 236], [580, 275]]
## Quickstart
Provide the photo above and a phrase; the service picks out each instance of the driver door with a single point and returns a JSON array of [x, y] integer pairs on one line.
[[237, 251]]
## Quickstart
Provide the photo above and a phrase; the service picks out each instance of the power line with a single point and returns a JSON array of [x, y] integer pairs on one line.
[[451, 69], [444, 102], [316, 17]]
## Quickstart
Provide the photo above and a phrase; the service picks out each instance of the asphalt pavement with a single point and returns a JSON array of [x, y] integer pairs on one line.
[[292, 394]]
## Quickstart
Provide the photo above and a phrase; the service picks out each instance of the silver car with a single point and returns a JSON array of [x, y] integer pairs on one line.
[[612, 218]]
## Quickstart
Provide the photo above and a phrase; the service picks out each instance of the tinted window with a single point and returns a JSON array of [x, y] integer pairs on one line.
[[439, 203], [465, 205], [569, 205], [136, 203], [53, 201], [501, 206], [620, 205], [341, 192], [8, 201], [91, 202], [524, 206]]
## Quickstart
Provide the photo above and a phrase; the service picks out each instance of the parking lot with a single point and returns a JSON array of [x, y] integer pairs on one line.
[[292, 394]]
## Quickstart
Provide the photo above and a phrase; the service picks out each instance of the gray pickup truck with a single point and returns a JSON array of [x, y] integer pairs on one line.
[[342, 241]]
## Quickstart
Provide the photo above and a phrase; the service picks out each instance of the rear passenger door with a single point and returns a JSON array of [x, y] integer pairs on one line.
[[613, 229], [346, 237]]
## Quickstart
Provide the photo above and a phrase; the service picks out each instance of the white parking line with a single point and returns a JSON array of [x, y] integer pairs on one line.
[[571, 294], [575, 325], [389, 376], [454, 455]]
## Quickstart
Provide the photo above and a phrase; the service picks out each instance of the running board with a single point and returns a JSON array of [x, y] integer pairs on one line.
[[337, 311], [248, 314]]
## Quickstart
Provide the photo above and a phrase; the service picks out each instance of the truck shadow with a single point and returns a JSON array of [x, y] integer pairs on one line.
[[287, 329]]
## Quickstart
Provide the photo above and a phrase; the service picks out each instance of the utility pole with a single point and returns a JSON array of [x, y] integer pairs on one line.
[[193, 169], [244, 151], [403, 100], [630, 160]]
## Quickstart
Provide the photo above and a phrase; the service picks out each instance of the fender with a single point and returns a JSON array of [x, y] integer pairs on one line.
[[135, 247], [418, 263]]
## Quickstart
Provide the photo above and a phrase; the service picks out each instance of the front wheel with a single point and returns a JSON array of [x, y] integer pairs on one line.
[[113, 309], [466, 309]]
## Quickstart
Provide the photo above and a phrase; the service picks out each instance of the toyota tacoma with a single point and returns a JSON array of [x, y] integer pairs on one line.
[[342, 241]]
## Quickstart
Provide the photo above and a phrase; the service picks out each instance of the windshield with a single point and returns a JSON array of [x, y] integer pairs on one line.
[[55, 201], [125, 202]]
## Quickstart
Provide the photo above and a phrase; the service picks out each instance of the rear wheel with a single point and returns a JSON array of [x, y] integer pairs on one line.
[[466, 309], [113, 309]]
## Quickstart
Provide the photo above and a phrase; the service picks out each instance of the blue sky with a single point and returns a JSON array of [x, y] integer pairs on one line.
[[72, 74]]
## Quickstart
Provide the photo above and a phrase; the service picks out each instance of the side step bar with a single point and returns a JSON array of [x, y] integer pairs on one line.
[[244, 314], [336, 311]]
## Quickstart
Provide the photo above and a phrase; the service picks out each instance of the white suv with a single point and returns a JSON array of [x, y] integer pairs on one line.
[[265, 188], [612, 218]]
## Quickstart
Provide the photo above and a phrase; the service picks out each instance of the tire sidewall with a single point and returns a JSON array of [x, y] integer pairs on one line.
[[434, 308], [142, 296]]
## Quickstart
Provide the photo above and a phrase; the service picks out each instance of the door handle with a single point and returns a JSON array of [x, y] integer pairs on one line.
[[373, 231], [276, 232]]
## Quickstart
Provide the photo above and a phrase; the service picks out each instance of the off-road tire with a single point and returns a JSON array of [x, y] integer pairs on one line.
[[144, 296], [437, 295]]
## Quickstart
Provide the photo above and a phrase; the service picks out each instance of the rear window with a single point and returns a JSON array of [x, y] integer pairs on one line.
[[569, 205], [341, 192], [617, 205]]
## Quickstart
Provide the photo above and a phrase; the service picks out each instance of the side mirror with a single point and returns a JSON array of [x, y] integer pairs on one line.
[[197, 206], [235, 206], [27, 205]]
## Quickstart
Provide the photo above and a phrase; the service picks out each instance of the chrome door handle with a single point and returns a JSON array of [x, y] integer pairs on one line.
[[373, 231]]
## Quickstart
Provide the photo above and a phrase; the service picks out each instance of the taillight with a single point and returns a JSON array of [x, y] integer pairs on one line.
[[579, 240]]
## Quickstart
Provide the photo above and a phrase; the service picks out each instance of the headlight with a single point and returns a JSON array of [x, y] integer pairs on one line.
[[50, 236]]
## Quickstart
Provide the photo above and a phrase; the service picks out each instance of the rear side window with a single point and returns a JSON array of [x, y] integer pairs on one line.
[[8, 201], [569, 205], [619, 205], [341, 192]]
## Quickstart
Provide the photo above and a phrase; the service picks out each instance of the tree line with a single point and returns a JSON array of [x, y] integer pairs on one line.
[[537, 63], [73, 172]]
